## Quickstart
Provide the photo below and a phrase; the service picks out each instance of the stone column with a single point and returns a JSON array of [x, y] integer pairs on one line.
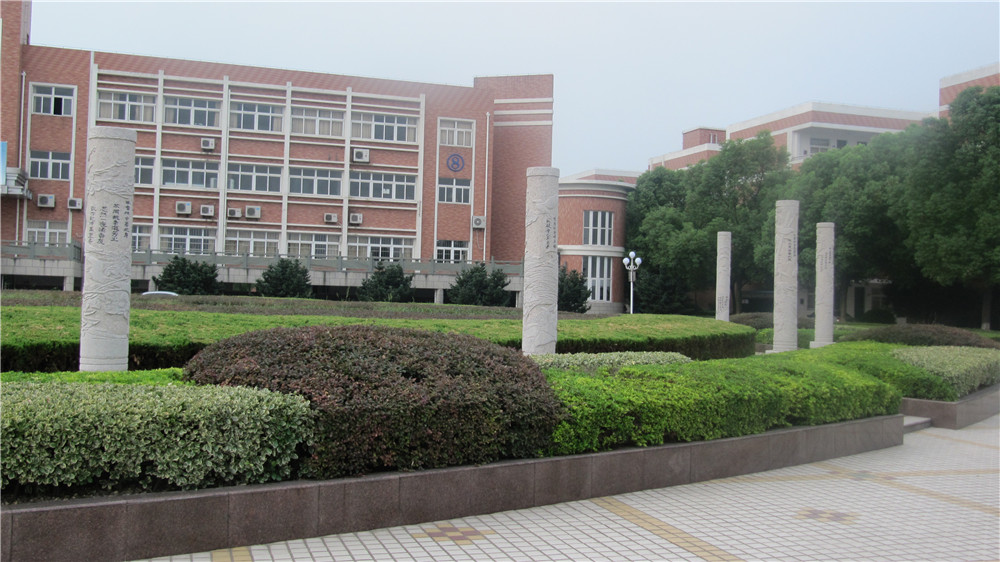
[[824, 284], [541, 262], [786, 276], [107, 249], [723, 258]]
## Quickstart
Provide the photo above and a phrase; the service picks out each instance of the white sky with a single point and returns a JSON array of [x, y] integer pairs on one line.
[[629, 77]]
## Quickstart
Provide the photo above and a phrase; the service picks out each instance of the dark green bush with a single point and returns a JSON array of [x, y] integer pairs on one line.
[[476, 286], [574, 295], [57, 438], [188, 277], [765, 320], [285, 278], [156, 377], [877, 316], [392, 398], [923, 334], [388, 283]]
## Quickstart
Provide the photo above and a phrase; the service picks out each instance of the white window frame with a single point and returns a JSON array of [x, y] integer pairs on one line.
[[144, 170], [378, 185], [817, 145], [49, 233], [114, 105], [456, 132], [597, 274], [598, 228], [176, 172], [380, 248], [317, 122], [454, 190], [141, 237], [259, 116], [191, 112], [49, 165], [184, 240], [314, 181], [452, 251], [384, 127], [313, 245], [52, 100], [256, 243], [254, 177]]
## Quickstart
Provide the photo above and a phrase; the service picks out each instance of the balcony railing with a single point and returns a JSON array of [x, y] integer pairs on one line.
[[41, 251]]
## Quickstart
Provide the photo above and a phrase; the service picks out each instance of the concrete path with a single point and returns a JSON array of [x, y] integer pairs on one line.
[[935, 498]]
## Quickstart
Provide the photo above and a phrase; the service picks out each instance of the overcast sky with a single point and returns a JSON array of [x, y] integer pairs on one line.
[[629, 77]]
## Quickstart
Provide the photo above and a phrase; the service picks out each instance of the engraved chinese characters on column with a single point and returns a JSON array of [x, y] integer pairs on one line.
[[104, 320], [722, 274], [824, 284], [786, 273]]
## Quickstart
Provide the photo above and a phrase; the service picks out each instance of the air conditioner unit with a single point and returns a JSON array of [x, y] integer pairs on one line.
[[330, 217], [361, 155], [253, 212], [74, 203], [355, 218], [479, 223], [46, 200], [208, 144], [208, 210], [234, 213], [183, 207]]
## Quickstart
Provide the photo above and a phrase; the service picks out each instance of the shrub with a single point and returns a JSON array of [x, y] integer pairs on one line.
[[387, 283], [613, 361], [967, 369], [923, 334], [157, 377], [391, 398], [877, 316], [477, 287], [573, 291], [59, 437], [765, 320], [285, 278], [187, 277]]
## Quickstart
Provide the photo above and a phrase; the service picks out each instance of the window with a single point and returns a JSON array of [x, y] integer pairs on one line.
[[597, 273], [183, 240], [309, 245], [315, 121], [379, 247], [713, 138], [818, 145], [144, 170], [126, 106], [597, 228], [454, 251], [255, 116], [453, 190], [455, 133], [376, 126], [383, 186], [255, 177], [141, 237], [52, 100], [49, 233], [251, 242], [190, 173], [841, 143], [49, 165], [190, 111], [312, 181]]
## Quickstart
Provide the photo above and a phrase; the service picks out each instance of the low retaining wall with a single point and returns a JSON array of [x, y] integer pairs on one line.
[[149, 525], [974, 408]]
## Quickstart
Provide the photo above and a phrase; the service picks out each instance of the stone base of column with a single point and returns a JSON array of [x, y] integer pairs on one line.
[[815, 344]]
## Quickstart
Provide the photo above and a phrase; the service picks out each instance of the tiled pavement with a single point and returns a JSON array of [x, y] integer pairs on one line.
[[935, 498]]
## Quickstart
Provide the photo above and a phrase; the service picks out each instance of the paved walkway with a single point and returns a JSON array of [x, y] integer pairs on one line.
[[936, 497]]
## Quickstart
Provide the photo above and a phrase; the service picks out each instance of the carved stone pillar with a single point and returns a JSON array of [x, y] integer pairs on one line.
[[723, 259], [786, 276], [824, 284], [541, 262]]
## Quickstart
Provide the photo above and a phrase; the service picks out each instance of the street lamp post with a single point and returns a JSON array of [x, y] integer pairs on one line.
[[632, 263]]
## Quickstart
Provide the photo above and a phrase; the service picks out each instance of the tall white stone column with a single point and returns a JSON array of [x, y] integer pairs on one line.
[[723, 267], [824, 284], [786, 276], [541, 262], [107, 249]]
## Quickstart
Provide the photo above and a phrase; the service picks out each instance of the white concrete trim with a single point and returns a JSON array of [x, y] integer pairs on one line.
[[524, 112], [826, 108], [523, 100], [599, 172], [586, 250], [970, 75], [522, 123]]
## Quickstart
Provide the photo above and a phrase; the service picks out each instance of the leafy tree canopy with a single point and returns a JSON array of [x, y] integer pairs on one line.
[[478, 287], [187, 277], [573, 291], [285, 278], [388, 283]]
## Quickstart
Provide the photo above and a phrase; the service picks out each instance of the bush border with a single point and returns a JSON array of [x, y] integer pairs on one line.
[[974, 408], [130, 527]]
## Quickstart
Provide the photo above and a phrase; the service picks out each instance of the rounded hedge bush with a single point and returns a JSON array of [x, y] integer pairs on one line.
[[394, 398], [922, 334]]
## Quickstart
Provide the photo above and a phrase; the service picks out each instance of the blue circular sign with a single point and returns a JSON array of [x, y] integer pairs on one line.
[[456, 162]]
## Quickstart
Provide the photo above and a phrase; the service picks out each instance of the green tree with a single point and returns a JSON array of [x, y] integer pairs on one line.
[[475, 286], [187, 277], [388, 283], [573, 291], [285, 278]]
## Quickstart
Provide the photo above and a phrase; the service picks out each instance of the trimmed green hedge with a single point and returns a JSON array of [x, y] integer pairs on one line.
[[592, 362], [39, 338], [155, 377], [966, 369], [59, 437], [923, 334]]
